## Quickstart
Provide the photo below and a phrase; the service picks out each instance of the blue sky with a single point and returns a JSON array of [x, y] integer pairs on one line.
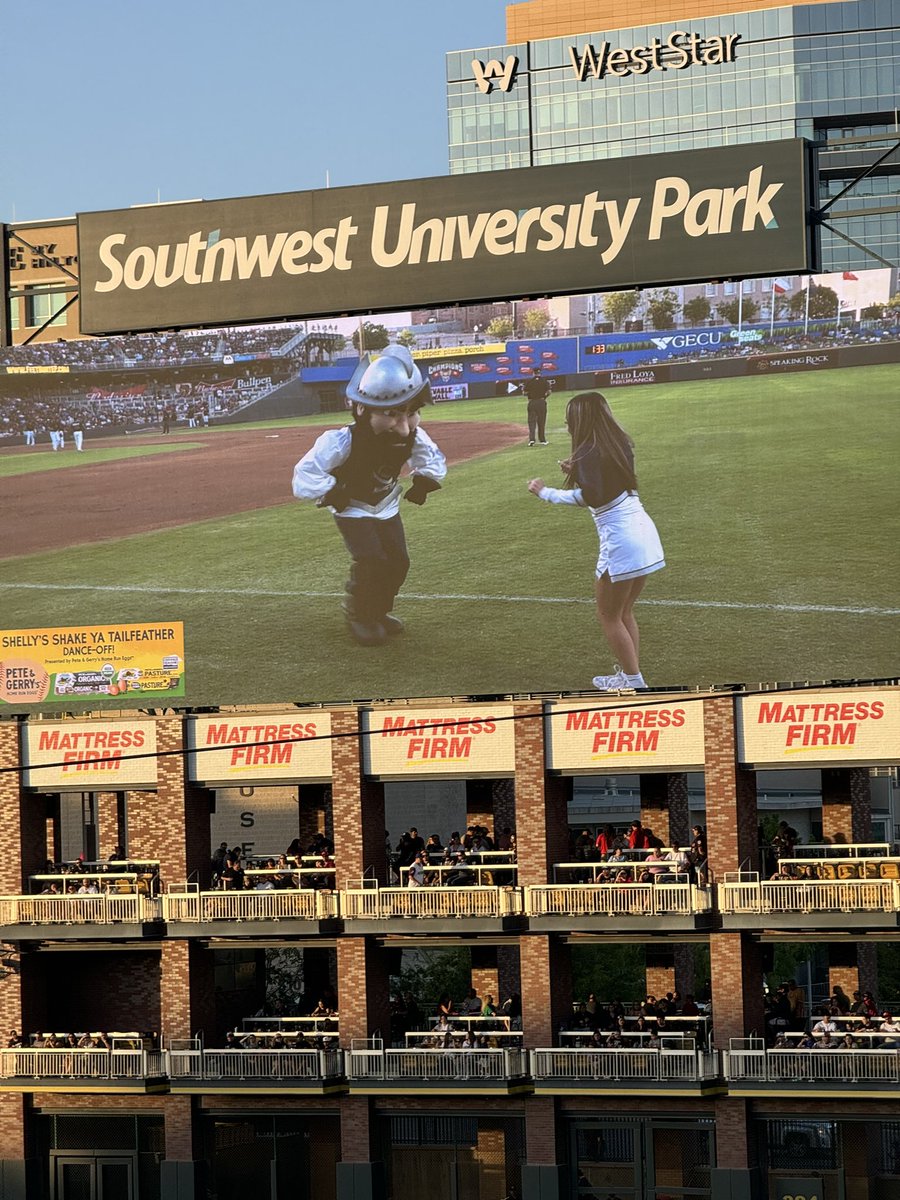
[[114, 104]]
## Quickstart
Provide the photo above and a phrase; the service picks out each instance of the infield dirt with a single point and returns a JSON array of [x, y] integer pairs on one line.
[[227, 473]]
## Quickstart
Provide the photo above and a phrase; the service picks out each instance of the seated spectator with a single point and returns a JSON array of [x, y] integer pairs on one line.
[[826, 1042], [488, 1009], [445, 1006], [462, 874], [14, 1040], [471, 1006], [826, 1024], [781, 1042], [807, 1042], [849, 1042], [231, 1042], [512, 1008], [890, 1027]]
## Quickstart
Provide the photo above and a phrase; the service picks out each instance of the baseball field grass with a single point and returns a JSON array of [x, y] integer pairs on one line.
[[774, 498]]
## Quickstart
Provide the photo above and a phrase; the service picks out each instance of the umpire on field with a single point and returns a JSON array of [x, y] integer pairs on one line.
[[537, 389]]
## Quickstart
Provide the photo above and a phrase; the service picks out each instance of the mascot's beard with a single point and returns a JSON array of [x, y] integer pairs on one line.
[[387, 450]]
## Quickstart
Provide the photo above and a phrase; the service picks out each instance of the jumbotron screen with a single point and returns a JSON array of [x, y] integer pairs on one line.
[[153, 547]]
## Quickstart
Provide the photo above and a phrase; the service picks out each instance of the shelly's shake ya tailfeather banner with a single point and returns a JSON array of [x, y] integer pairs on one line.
[[603, 225]]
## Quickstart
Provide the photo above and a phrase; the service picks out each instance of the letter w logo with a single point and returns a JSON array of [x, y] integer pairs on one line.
[[504, 73]]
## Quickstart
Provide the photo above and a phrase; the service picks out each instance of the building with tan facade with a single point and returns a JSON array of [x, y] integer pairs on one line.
[[152, 1049]]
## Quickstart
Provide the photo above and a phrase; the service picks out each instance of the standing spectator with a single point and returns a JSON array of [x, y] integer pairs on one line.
[[797, 1001], [699, 855], [637, 837]]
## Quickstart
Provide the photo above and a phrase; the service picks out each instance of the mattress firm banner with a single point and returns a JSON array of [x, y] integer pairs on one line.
[[451, 743], [600, 739], [592, 226], [89, 755], [806, 729], [260, 749]]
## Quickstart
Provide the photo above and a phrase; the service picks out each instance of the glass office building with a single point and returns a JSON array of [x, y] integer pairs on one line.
[[829, 72]]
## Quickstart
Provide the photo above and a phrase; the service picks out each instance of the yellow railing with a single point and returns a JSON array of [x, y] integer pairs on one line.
[[616, 899], [100, 909], [289, 905], [380, 904], [746, 893]]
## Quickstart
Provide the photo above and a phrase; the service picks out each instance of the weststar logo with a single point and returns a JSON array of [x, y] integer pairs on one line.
[[503, 72]]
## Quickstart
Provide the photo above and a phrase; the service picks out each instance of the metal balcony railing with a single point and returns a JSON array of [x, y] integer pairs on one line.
[[450, 1064], [743, 893], [296, 905], [835, 1067], [449, 903], [616, 899], [254, 1064], [100, 909], [66, 1062], [663, 1065]]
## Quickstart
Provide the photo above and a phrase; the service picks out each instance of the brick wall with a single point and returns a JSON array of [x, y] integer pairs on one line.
[[95, 990], [485, 976], [664, 807]]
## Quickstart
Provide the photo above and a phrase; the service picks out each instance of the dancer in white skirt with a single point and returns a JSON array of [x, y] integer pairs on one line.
[[600, 476]]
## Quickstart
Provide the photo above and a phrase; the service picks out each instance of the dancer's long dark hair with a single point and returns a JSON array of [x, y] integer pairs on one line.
[[595, 430]]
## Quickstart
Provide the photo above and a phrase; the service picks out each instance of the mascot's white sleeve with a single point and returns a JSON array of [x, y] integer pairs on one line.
[[426, 458], [313, 476]]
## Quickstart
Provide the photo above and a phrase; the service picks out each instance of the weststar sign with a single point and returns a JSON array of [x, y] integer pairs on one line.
[[679, 50]]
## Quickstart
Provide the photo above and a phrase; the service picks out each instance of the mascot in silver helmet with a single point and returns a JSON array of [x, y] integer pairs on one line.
[[355, 471]]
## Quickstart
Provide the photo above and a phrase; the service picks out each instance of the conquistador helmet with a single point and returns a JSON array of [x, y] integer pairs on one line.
[[388, 379]]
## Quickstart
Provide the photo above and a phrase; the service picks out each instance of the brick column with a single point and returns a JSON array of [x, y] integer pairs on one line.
[[669, 968], [844, 967], [107, 822], [181, 1172], [485, 978], [543, 1175], [730, 793], [846, 804], [172, 823], [360, 1174], [542, 831], [315, 811], [363, 990], [187, 993], [175, 992], [19, 1176], [546, 989], [504, 791], [664, 807], [480, 803], [23, 827], [737, 995], [736, 1173], [357, 806]]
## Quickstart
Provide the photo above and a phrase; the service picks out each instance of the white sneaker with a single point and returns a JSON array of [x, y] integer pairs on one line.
[[609, 683]]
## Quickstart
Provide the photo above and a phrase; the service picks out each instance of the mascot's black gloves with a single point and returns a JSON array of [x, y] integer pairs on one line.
[[421, 486], [338, 498]]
